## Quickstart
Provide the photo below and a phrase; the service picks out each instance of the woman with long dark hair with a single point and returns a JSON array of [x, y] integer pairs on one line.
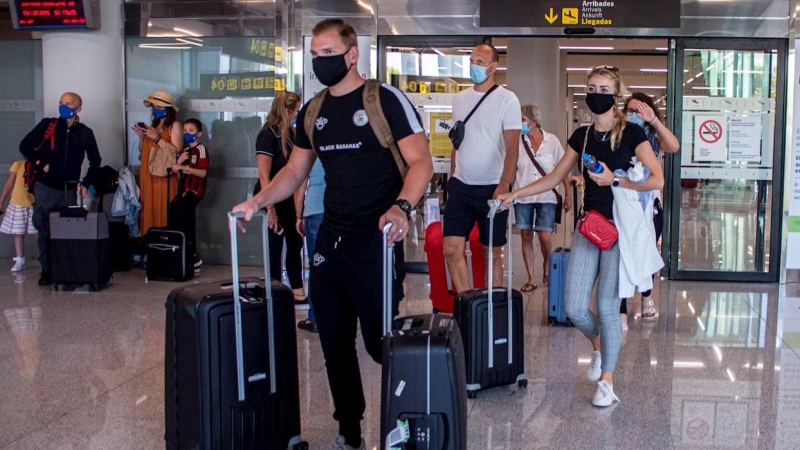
[[613, 144], [165, 133], [640, 109], [273, 148]]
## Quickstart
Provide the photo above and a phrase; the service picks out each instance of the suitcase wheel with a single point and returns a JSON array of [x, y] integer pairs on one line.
[[551, 320], [522, 383], [472, 394], [301, 446]]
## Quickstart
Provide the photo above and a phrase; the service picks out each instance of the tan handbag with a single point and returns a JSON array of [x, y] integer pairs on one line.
[[160, 160]]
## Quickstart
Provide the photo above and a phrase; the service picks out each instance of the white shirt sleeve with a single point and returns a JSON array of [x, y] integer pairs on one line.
[[512, 114]]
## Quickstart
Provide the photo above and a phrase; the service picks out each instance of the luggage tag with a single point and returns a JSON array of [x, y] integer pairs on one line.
[[399, 435]]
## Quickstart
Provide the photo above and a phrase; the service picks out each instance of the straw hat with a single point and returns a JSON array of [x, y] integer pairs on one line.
[[162, 99]]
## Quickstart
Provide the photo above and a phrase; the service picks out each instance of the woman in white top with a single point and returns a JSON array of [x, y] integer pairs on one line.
[[537, 212]]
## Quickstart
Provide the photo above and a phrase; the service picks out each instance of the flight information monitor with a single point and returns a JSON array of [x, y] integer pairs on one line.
[[46, 15]]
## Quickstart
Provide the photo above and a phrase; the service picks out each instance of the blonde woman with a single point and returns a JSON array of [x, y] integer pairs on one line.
[[273, 147], [613, 144]]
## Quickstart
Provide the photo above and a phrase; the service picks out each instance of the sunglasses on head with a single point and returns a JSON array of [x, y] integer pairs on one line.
[[613, 69]]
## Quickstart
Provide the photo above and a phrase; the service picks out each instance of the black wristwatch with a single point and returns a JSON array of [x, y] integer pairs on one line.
[[404, 205], [615, 183]]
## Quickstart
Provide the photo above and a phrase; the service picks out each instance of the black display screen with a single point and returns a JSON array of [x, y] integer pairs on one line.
[[51, 14]]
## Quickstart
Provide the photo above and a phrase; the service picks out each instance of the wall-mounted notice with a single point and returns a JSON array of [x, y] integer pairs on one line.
[[710, 138], [441, 123], [744, 138]]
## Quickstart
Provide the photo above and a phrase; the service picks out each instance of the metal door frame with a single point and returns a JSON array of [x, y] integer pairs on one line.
[[673, 167]]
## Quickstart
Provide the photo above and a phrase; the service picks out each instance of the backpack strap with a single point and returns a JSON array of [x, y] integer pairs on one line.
[[50, 133], [312, 113], [380, 126]]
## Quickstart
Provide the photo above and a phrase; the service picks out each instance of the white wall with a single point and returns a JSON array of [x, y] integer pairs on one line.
[[90, 63]]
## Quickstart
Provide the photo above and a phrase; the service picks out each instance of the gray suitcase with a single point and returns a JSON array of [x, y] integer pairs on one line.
[[80, 248]]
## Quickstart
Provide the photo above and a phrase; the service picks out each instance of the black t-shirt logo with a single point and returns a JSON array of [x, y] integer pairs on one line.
[[321, 121], [360, 118]]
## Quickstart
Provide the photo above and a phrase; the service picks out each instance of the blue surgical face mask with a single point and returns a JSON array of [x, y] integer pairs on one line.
[[477, 73], [633, 118], [525, 128], [189, 137], [65, 112], [159, 113]]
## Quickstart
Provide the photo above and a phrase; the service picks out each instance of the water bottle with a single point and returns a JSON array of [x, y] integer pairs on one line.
[[591, 163]]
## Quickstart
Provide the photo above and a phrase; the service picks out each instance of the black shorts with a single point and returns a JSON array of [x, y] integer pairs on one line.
[[467, 205]]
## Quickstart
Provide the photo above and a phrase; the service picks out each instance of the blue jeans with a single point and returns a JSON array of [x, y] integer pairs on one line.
[[311, 224]]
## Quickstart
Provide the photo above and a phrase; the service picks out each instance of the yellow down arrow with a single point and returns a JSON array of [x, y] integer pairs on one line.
[[551, 17]]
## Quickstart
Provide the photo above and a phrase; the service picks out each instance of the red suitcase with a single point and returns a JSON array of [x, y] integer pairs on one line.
[[441, 285]]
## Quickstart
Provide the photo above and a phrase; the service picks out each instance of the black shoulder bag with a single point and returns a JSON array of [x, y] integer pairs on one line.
[[457, 132]]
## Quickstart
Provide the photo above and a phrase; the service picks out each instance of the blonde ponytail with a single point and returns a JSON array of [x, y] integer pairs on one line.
[[619, 126]]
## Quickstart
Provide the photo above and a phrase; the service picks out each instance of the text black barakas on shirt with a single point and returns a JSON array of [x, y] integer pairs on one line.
[[361, 175]]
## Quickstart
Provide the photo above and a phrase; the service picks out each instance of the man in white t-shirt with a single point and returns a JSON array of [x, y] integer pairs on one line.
[[537, 212], [483, 166]]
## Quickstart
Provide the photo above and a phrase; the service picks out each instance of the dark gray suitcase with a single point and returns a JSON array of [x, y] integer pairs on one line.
[[493, 330], [231, 378], [80, 248], [423, 379]]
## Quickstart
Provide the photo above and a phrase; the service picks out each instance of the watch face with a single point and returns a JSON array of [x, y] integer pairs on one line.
[[616, 182]]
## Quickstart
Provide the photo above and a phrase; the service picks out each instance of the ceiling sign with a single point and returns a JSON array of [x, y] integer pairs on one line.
[[581, 13], [53, 14]]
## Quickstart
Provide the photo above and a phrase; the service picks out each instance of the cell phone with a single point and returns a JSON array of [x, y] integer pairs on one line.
[[141, 125]]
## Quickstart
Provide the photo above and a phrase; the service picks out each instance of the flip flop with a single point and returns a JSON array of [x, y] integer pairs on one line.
[[527, 287]]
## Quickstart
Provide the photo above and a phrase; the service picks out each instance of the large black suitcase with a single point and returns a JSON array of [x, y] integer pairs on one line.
[[231, 380], [493, 333], [423, 379], [80, 248]]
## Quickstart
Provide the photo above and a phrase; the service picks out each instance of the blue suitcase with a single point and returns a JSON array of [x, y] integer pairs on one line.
[[558, 262]]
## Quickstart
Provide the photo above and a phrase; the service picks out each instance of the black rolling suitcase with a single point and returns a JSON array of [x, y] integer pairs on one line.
[[119, 235], [231, 380], [80, 248], [493, 333], [423, 402], [166, 253]]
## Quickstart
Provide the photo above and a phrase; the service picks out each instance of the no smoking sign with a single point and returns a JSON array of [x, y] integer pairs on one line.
[[710, 131]]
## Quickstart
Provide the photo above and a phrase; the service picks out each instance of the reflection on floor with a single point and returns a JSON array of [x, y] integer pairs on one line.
[[719, 369]]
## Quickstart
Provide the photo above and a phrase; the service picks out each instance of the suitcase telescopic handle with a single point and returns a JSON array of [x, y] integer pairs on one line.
[[233, 218], [388, 267], [493, 207]]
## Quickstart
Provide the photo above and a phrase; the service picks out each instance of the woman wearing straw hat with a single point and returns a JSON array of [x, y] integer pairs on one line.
[[166, 134]]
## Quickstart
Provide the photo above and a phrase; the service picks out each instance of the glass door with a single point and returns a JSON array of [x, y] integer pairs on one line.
[[729, 117]]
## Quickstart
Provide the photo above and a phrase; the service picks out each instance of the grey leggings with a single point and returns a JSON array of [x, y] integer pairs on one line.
[[588, 263]]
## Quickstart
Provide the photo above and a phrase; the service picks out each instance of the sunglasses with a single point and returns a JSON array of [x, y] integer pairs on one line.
[[613, 69]]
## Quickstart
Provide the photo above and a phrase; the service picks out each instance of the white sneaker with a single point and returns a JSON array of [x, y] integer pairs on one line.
[[340, 445], [19, 265], [595, 366], [605, 395]]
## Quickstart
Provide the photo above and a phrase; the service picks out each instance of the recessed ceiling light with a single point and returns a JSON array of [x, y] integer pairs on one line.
[[579, 47]]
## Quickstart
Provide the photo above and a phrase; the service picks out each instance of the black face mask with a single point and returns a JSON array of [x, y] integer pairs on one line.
[[330, 70], [600, 103]]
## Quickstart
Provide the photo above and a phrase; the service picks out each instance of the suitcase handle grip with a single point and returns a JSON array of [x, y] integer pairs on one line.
[[233, 218], [388, 267]]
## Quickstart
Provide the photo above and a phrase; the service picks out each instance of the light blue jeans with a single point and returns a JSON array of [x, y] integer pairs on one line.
[[588, 263], [311, 224]]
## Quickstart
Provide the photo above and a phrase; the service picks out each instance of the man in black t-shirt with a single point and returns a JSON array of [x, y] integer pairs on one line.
[[365, 191]]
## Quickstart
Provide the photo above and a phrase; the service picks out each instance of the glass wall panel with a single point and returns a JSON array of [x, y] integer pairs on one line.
[[21, 109], [727, 160], [226, 83]]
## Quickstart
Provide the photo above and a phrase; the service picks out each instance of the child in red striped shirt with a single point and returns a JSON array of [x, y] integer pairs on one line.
[[192, 168]]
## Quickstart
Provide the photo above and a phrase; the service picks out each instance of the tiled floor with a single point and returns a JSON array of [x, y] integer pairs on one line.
[[719, 369]]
